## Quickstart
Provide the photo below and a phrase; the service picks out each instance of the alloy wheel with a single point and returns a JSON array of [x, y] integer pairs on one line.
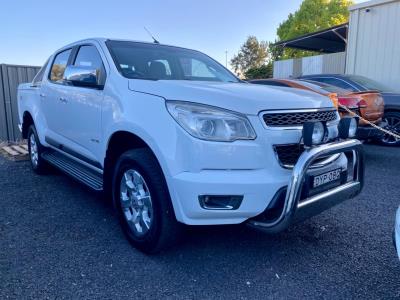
[[136, 202], [393, 126], [33, 150]]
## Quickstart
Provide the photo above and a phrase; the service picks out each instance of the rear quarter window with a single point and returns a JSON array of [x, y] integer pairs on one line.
[[37, 80]]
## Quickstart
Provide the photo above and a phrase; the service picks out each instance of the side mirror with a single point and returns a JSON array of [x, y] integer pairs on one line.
[[82, 76]]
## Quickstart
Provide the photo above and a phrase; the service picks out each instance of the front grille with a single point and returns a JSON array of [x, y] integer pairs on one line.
[[298, 118], [288, 155]]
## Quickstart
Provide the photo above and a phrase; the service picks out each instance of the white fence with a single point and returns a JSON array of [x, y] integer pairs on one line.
[[319, 64]]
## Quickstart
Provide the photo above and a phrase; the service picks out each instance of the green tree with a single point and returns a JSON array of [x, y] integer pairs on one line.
[[275, 51], [264, 71], [252, 54], [313, 15]]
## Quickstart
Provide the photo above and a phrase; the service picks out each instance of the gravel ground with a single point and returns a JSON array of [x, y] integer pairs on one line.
[[59, 240]]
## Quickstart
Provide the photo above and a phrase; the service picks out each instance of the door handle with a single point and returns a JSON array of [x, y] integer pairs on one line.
[[63, 100]]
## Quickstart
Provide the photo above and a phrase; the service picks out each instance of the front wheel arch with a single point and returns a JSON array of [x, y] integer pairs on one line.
[[165, 230], [118, 143]]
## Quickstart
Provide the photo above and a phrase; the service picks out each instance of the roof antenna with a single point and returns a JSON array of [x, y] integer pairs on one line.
[[154, 39]]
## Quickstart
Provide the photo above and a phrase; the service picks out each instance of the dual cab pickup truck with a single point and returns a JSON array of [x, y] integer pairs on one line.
[[172, 137]]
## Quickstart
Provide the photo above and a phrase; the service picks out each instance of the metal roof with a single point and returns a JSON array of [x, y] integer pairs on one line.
[[370, 4], [330, 40]]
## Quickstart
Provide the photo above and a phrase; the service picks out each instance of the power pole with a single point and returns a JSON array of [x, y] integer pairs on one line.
[[226, 58]]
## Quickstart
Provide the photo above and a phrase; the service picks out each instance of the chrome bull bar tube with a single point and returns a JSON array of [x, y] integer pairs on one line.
[[293, 210]]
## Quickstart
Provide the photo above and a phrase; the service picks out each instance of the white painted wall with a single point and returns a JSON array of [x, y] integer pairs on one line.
[[374, 41]]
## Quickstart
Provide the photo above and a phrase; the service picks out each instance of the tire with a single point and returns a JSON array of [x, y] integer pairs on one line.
[[35, 149], [144, 207], [393, 120]]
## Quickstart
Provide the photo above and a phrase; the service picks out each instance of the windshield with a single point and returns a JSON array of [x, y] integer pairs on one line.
[[159, 62], [369, 84]]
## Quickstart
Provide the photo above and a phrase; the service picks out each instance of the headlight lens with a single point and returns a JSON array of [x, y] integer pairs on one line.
[[211, 123]]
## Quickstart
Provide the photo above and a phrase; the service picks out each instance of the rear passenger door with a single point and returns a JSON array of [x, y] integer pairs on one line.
[[50, 94]]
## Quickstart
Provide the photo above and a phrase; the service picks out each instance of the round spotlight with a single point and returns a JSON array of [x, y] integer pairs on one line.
[[313, 133], [318, 133], [348, 127], [353, 128]]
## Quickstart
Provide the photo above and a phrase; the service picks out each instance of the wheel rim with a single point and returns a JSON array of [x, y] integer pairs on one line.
[[394, 126], [33, 150], [136, 203]]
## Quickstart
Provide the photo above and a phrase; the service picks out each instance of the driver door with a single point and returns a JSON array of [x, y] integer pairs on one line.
[[82, 108]]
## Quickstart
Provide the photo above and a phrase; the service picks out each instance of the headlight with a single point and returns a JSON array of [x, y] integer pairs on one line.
[[348, 127], [211, 123], [313, 133]]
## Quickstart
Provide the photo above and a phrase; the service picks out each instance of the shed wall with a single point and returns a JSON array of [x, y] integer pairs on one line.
[[374, 42], [10, 77], [318, 64]]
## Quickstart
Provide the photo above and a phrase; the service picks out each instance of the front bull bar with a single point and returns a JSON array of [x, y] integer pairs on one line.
[[295, 211]]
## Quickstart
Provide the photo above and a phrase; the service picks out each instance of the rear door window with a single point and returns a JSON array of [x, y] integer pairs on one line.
[[59, 64]]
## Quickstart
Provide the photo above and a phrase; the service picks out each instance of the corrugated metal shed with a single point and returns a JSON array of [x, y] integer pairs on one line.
[[374, 41], [318, 64], [283, 68], [10, 77]]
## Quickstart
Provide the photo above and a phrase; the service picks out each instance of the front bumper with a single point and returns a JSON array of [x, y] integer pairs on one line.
[[294, 210], [369, 132]]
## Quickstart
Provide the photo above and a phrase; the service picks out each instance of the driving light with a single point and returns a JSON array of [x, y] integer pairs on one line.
[[211, 123], [313, 133], [348, 127]]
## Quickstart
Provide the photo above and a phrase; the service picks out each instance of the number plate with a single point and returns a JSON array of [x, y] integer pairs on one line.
[[326, 177]]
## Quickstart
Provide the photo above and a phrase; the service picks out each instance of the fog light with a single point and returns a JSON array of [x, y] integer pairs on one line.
[[313, 133], [348, 127], [218, 202]]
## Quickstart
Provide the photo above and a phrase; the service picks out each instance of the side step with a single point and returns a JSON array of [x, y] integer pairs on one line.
[[74, 169]]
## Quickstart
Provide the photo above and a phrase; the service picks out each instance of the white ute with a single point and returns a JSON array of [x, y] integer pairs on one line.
[[173, 137]]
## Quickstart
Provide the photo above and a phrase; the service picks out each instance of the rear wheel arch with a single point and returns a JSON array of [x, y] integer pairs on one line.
[[27, 121]]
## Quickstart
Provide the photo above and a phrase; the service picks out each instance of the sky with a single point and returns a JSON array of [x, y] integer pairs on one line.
[[30, 31]]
